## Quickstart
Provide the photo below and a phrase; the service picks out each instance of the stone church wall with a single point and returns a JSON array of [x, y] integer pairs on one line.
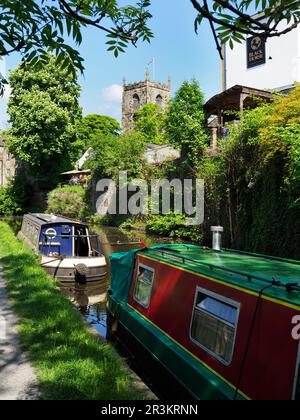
[[136, 95]]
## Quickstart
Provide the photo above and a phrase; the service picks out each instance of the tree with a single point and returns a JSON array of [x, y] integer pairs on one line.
[[113, 154], [235, 20], [43, 109], [186, 122], [36, 27], [149, 121], [93, 127]]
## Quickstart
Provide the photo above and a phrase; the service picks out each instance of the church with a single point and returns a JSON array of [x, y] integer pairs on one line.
[[136, 95]]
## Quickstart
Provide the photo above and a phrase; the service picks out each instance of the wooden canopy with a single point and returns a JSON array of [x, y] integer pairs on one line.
[[236, 99]]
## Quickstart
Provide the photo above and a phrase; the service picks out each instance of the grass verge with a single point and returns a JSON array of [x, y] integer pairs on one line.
[[70, 363]]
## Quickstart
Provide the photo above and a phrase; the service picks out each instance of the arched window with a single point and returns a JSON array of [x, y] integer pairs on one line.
[[136, 102], [159, 100]]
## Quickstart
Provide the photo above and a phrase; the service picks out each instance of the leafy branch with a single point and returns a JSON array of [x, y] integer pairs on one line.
[[36, 28], [234, 21]]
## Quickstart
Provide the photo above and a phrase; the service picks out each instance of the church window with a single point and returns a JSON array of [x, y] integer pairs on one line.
[[159, 100], [136, 102]]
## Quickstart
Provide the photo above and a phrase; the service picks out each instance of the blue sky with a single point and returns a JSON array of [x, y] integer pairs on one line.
[[178, 51]]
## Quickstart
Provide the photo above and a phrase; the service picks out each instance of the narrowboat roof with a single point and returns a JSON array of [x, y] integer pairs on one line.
[[246, 270], [50, 219]]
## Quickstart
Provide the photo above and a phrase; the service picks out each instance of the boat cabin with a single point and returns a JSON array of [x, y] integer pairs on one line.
[[54, 236], [68, 251], [222, 323]]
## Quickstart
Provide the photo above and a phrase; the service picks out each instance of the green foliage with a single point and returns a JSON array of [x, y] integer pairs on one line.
[[98, 125], [37, 27], [8, 206], [43, 108], [166, 225], [234, 20], [173, 225], [186, 123], [68, 201], [70, 363], [112, 154], [150, 122], [253, 184], [92, 127], [13, 197]]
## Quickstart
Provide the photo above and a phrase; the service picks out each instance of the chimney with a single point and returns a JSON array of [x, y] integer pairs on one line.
[[217, 237]]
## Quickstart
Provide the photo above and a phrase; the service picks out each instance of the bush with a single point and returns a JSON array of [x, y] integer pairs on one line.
[[173, 225], [13, 197], [68, 201]]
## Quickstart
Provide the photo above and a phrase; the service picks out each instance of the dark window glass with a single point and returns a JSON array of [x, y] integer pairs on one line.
[[81, 242]]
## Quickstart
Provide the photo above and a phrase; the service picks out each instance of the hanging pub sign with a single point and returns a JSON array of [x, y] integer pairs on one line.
[[256, 51]]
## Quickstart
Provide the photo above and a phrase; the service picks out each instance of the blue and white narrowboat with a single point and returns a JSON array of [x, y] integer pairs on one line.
[[68, 251]]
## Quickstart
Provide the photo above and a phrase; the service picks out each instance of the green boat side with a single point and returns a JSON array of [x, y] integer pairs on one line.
[[198, 379]]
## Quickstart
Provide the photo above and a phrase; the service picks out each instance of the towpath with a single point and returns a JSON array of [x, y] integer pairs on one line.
[[17, 377]]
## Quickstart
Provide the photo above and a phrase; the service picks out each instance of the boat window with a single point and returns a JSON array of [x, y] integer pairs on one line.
[[66, 231], [214, 324], [143, 286], [95, 245]]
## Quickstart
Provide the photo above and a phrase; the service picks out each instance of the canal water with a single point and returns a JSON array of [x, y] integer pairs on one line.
[[91, 299]]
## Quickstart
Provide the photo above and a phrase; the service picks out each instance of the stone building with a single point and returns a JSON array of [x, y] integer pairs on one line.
[[136, 95], [7, 164]]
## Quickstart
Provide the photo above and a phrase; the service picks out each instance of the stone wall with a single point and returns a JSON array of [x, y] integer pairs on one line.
[[7, 165]]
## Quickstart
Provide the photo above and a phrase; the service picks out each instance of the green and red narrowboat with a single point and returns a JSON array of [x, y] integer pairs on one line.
[[222, 324]]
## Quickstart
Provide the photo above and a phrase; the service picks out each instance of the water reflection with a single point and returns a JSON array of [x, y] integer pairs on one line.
[[90, 300]]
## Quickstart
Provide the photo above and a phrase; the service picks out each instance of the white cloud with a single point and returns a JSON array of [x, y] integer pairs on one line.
[[112, 93], [111, 101]]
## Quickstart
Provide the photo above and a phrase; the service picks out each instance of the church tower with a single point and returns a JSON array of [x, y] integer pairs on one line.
[[136, 95]]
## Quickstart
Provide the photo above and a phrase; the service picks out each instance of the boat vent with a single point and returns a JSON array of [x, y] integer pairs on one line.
[[217, 237]]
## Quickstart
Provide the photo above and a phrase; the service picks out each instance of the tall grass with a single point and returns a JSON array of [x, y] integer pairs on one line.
[[70, 363]]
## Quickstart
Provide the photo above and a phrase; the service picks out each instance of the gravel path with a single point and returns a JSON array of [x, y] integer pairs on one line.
[[17, 377]]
